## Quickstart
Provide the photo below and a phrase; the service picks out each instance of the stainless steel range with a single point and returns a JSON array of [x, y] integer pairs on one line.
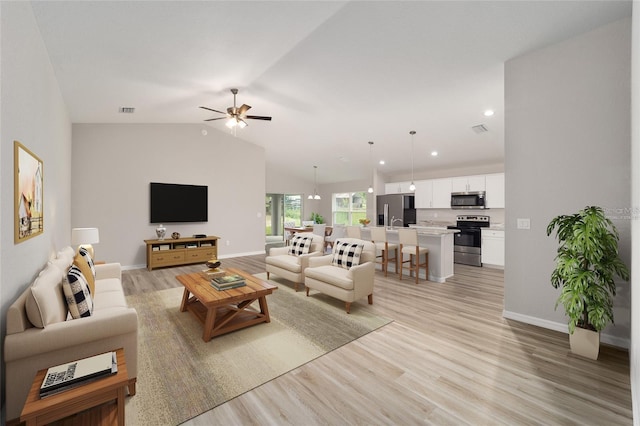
[[467, 247]]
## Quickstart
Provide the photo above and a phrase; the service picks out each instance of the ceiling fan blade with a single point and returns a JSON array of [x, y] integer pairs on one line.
[[244, 108], [258, 117], [214, 110], [213, 119]]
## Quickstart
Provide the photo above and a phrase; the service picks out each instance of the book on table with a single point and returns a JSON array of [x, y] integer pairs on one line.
[[222, 287], [227, 282], [76, 373], [227, 279]]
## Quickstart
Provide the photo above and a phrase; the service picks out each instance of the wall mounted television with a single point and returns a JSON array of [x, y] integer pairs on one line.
[[172, 202]]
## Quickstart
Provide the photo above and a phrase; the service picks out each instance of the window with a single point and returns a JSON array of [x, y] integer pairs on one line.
[[282, 210], [349, 207]]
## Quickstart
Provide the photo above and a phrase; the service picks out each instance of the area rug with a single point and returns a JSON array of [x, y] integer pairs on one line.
[[180, 376]]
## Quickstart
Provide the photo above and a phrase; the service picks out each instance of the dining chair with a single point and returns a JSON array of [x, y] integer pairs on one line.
[[354, 232], [288, 234], [319, 229], [379, 238], [338, 231], [408, 239]]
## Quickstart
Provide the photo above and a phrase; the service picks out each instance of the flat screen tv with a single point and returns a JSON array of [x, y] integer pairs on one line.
[[172, 202]]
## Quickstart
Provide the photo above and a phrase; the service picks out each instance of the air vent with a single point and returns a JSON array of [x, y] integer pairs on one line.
[[127, 110], [480, 128]]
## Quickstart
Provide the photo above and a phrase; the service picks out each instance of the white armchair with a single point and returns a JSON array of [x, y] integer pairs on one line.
[[282, 262], [344, 282]]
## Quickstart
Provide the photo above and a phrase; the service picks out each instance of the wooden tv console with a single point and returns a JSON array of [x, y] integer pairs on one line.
[[180, 251]]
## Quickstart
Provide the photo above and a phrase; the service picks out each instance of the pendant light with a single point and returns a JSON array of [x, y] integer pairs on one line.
[[412, 187], [370, 190], [315, 195]]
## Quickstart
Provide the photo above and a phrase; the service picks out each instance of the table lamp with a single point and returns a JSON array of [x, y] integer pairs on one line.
[[84, 237]]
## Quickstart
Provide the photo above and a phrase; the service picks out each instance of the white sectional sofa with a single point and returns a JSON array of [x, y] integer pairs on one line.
[[41, 334]]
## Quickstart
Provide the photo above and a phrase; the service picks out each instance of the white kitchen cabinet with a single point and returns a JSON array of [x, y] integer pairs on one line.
[[493, 248], [397, 188], [468, 183], [495, 191], [441, 194], [424, 194], [433, 194]]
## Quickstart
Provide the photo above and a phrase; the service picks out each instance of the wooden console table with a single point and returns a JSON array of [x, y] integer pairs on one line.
[[180, 251], [88, 402]]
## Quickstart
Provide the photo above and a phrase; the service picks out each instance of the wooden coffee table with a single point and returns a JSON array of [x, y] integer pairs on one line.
[[228, 310]]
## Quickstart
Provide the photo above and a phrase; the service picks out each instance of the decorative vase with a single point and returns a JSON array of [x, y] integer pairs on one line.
[[161, 231], [585, 343]]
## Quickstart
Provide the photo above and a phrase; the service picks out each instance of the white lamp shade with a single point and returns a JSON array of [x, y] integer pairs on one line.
[[84, 236]]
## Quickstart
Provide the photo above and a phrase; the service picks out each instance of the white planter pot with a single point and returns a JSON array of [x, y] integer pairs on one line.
[[585, 343]]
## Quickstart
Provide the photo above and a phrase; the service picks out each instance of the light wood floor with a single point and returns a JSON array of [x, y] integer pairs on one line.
[[448, 358]]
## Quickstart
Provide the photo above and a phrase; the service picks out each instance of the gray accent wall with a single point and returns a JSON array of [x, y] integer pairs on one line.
[[634, 353], [113, 165], [32, 112], [567, 146]]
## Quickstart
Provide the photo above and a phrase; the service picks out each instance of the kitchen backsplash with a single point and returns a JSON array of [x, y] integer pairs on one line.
[[444, 217]]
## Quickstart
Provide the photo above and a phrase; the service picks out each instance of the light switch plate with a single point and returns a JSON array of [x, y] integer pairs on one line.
[[524, 223]]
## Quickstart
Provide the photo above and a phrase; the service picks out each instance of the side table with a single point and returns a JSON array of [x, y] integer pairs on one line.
[[41, 411]]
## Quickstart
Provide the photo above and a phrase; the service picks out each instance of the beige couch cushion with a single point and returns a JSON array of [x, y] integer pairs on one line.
[[45, 302], [285, 261], [336, 276]]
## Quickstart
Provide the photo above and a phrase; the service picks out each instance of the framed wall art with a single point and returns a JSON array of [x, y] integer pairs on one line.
[[28, 192]]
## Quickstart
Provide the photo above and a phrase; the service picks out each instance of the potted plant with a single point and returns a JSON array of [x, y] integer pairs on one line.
[[317, 218], [586, 266]]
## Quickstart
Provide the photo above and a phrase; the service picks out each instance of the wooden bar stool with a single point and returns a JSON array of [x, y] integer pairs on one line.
[[408, 239], [379, 238]]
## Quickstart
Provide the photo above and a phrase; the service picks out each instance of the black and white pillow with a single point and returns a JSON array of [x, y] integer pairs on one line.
[[77, 293], [346, 255], [300, 244]]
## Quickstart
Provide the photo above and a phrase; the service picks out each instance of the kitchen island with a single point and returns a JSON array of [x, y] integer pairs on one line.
[[438, 240]]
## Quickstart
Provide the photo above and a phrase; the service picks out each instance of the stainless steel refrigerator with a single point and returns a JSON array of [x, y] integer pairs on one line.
[[399, 208]]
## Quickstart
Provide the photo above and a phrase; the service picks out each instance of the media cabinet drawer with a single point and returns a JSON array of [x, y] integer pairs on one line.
[[200, 254], [172, 257]]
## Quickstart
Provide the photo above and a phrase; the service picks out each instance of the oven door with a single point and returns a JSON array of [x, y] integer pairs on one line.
[[467, 238]]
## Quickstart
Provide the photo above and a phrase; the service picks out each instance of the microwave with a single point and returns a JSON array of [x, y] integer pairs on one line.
[[468, 200]]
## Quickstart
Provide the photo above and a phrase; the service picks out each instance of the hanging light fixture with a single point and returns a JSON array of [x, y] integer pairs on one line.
[[370, 190], [412, 187], [315, 185]]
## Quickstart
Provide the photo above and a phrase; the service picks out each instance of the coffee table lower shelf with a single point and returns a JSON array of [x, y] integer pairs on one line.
[[228, 318]]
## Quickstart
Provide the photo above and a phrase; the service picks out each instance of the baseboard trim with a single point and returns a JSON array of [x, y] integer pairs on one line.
[[249, 253], [563, 328]]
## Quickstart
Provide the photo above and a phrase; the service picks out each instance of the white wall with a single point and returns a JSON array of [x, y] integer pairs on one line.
[[114, 163], [32, 112], [567, 146], [634, 353]]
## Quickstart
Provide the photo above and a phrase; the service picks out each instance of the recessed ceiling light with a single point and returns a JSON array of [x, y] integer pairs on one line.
[[488, 113], [434, 153], [382, 162]]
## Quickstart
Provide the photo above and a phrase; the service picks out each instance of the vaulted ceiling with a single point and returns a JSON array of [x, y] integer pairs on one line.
[[333, 75]]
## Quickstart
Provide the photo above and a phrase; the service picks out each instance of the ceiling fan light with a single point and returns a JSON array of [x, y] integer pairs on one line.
[[231, 123], [241, 123]]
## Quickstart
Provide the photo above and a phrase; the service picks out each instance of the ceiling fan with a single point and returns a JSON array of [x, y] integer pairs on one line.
[[235, 116]]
